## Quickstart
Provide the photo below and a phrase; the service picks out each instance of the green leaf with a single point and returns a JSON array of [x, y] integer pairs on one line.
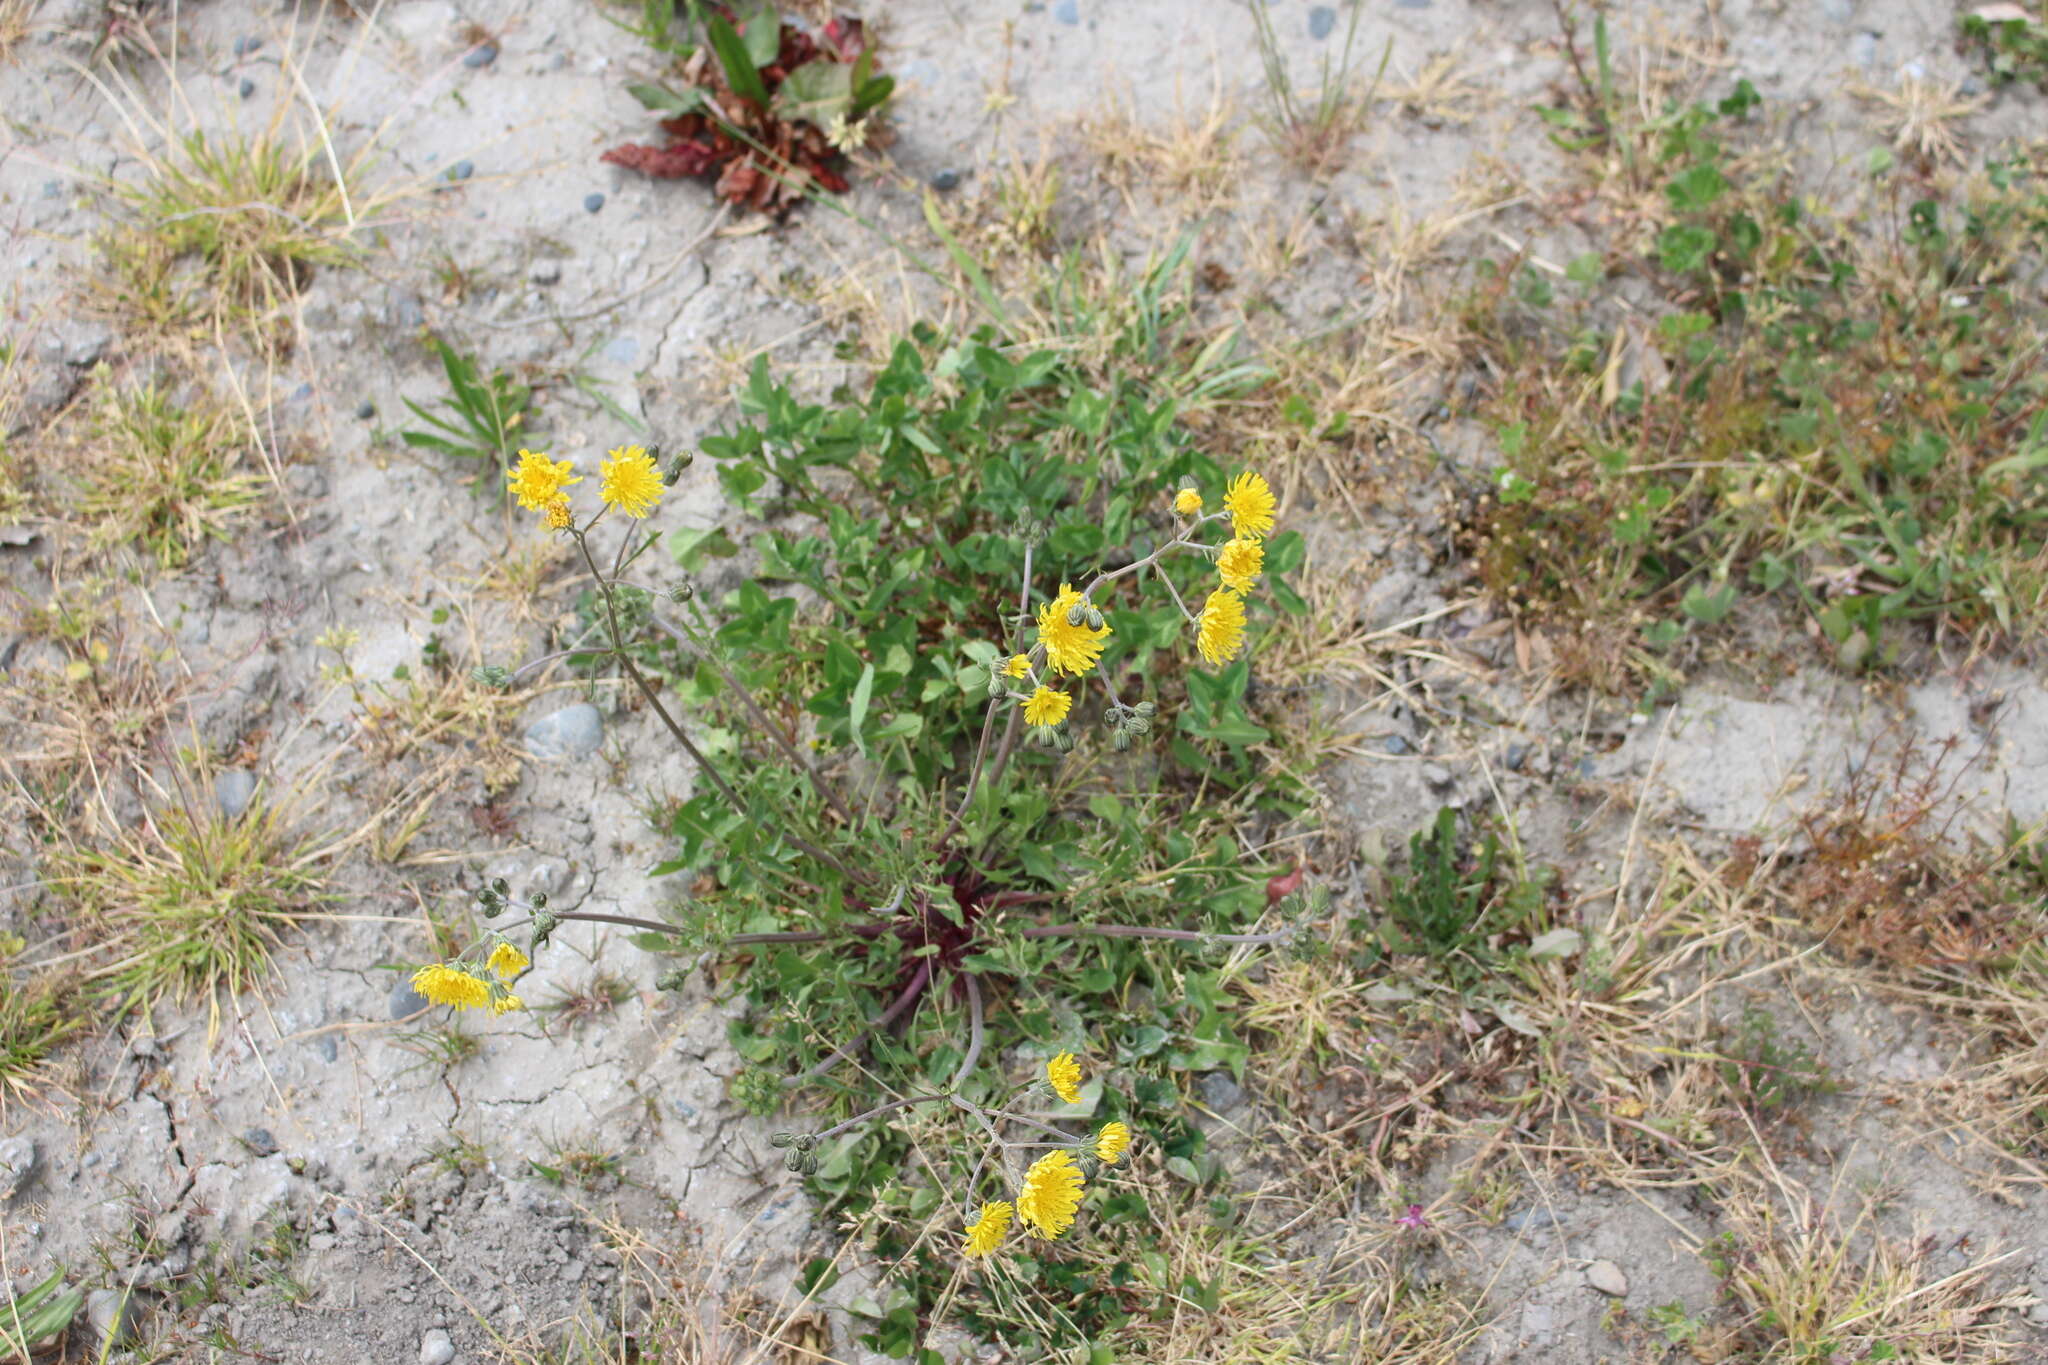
[[737, 62], [1708, 608], [665, 101], [857, 708], [816, 92], [763, 35], [691, 547]]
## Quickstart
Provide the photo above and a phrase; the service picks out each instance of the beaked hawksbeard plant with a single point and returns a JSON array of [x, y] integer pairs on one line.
[[898, 807]]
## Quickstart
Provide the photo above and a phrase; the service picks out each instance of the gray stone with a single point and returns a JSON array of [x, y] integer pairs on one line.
[[1863, 49], [247, 88], [1396, 745], [593, 202], [462, 170], [1322, 22], [1838, 11], [1518, 754], [365, 410], [1436, 774], [1219, 1091], [1606, 1277], [546, 271], [945, 180], [328, 1048], [1533, 1220], [114, 1315], [405, 1001], [244, 46], [407, 311], [17, 1164], [436, 1347], [260, 1141], [232, 791], [622, 350], [87, 346], [482, 55], [572, 732], [1067, 11], [1411, 4]]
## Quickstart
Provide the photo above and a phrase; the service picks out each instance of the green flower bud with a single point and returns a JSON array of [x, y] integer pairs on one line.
[[540, 900], [545, 922], [683, 591], [491, 675], [1094, 619], [781, 1139], [1076, 615], [674, 979]]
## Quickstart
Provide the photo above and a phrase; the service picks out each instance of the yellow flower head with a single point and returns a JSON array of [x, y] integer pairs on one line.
[[508, 961], [1019, 665], [558, 515], [1241, 563], [1250, 504], [1111, 1141], [1219, 633], [1051, 1194], [988, 1230], [630, 481], [1069, 648], [506, 1003], [1047, 707], [1187, 502], [1065, 1074], [538, 481], [445, 985]]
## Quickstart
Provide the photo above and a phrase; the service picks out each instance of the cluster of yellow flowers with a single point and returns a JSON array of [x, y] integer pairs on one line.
[[468, 988], [1051, 1193], [1219, 630], [1072, 630], [628, 479]]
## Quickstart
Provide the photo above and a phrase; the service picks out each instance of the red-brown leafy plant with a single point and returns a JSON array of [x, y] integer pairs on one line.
[[767, 110]]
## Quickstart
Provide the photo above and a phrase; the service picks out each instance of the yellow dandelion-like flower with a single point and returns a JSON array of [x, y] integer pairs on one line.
[[1250, 504], [559, 516], [445, 985], [538, 481], [1069, 648], [989, 1229], [1065, 1074], [1241, 563], [1219, 633], [506, 1003], [1187, 502], [630, 481], [1047, 707], [1019, 665], [1111, 1141], [507, 961], [1051, 1194]]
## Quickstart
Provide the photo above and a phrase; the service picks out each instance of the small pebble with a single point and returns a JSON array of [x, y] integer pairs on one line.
[[1436, 774], [244, 46], [1395, 745], [248, 87], [462, 170], [483, 54], [1411, 4], [365, 410], [592, 202], [260, 1141], [330, 1051], [405, 1001], [436, 1347], [1322, 21], [232, 791], [1606, 1277], [1067, 11], [1518, 754], [948, 179], [572, 732], [547, 271], [1219, 1091]]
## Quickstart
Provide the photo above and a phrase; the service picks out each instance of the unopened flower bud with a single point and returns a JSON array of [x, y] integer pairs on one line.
[[491, 675], [540, 900], [683, 591], [674, 979], [677, 463], [1076, 615], [545, 922], [1094, 618], [781, 1139]]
